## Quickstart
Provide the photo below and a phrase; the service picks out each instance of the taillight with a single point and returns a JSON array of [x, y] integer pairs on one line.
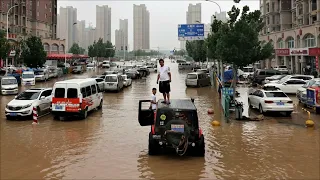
[[268, 102], [290, 102], [318, 96]]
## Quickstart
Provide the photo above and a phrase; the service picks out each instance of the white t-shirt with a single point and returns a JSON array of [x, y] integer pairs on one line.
[[153, 98], [164, 76]]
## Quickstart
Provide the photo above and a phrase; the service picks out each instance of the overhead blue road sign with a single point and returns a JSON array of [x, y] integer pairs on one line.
[[190, 32]]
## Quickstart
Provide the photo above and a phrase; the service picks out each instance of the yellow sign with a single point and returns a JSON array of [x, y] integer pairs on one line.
[[163, 117]]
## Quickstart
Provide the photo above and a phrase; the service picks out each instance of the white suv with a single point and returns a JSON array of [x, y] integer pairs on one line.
[[22, 105]]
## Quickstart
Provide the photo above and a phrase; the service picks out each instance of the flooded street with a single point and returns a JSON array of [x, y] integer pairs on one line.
[[110, 144]]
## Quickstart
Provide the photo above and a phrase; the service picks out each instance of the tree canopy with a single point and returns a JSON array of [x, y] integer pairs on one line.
[[101, 49], [33, 52], [237, 41], [181, 52], [76, 49], [197, 50], [145, 53], [4, 45]]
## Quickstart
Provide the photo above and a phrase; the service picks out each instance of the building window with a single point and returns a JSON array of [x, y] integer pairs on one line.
[[38, 13], [291, 43], [45, 16], [45, 6], [280, 44], [309, 41], [38, 3]]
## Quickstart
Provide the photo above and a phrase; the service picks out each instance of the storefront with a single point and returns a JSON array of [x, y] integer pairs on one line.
[[299, 60]]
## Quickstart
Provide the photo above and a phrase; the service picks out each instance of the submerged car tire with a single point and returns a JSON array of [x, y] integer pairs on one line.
[[250, 105], [84, 115], [153, 147], [9, 118], [199, 150], [100, 105], [261, 110], [288, 113]]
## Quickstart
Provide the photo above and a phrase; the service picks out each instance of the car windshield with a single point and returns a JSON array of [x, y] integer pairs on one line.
[[284, 79], [90, 65], [187, 116], [27, 95], [111, 79], [8, 81], [27, 76], [275, 94], [39, 73], [192, 76], [316, 84]]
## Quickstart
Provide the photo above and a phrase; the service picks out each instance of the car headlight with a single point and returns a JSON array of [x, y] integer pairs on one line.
[[26, 106]]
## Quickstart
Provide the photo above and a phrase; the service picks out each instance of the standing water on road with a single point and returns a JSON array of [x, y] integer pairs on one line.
[[110, 144]]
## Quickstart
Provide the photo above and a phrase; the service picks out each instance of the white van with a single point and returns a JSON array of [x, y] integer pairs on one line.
[[198, 79], [8, 85], [42, 74], [113, 82], [28, 78], [76, 97]]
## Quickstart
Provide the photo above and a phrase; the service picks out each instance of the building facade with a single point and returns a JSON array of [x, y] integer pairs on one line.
[[121, 35], [293, 27], [220, 16], [37, 18], [193, 16], [89, 38], [103, 23], [81, 35], [67, 25], [141, 27]]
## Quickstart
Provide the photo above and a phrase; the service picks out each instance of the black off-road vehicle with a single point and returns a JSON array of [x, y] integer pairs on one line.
[[173, 126]]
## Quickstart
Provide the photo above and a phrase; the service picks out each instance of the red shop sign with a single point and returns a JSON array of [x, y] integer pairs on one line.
[[282, 52], [317, 62], [314, 51], [300, 51]]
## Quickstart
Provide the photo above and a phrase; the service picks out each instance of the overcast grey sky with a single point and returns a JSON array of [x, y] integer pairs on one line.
[[165, 16]]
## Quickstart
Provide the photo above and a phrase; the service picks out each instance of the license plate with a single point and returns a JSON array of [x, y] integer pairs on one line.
[[58, 107], [177, 127], [111, 84], [280, 103], [13, 114]]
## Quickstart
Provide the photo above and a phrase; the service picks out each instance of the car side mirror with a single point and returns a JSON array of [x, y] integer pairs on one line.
[[42, 97], [284, 83]]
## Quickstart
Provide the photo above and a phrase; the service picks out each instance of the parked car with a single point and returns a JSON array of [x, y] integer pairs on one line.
[[76, 97], [197, 79], [41, 74], [106, 64], [126, 81], [113, 82], [273, 78], [270, 100], [296, 76], [77, 70], [281, 68], [261, 74], [302, 92], [8, 85], [287, 86], [100, 82], [28, 78], [22, 105], [133, 74], [91, 67]]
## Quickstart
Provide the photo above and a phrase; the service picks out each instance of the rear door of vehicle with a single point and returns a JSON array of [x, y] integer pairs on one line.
[[100, 83], [46, 102], [58, 98]]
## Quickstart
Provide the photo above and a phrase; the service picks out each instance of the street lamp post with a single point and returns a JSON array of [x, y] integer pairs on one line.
[[8, 30], [221, 64]]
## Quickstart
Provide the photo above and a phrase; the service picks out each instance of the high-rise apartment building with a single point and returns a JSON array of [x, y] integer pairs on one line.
[[103, 23], [141, 27], [67, 29], [193, 16], [293, 27], [38, 18], [121, 35], [81, 35], [220, 16], [31, 17]]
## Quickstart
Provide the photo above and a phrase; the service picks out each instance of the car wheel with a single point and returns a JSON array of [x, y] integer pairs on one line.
[[38, 111], [100, 105], [153, 147], [260, 109], [85, 113], [288, 113], [199, 150], [9, 118]]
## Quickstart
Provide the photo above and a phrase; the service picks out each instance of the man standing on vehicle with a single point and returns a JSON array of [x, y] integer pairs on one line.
[[164, 76]]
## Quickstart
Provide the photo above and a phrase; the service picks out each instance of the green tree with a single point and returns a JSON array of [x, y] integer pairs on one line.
[[197, 50], [237, 41], [33, 53], [4, 45], [109, 49], [91, 50], [75, 49]]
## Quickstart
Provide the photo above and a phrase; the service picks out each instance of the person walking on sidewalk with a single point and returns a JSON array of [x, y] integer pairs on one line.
[[164, 76]]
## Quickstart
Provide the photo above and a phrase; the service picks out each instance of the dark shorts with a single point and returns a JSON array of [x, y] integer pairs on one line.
[[164, 86]]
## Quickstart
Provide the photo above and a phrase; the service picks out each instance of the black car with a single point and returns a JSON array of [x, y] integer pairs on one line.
[[144, 71], [173, 126]]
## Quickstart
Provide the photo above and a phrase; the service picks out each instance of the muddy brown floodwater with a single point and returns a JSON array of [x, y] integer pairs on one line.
[[110, 144]]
